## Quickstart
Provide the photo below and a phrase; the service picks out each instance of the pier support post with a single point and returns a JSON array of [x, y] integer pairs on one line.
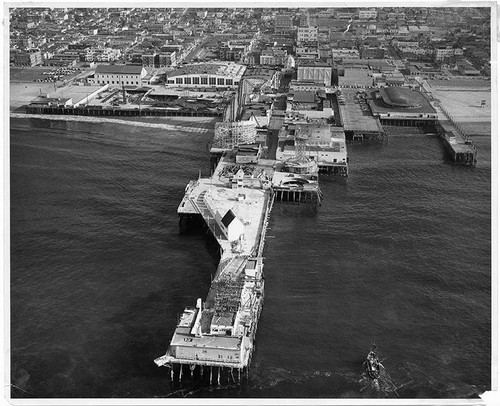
[[239, 375], [172, 372], [201, 371], [180, 372], [210, 375], [192, 367], [218, 376]]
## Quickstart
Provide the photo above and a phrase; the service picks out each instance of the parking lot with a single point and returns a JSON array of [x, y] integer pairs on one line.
[[42, 74], [355, 112]]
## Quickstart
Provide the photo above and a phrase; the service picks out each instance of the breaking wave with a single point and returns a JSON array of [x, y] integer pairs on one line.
[[96, 120]]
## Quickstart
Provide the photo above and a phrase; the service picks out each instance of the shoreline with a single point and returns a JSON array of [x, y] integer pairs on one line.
[[203, 124]]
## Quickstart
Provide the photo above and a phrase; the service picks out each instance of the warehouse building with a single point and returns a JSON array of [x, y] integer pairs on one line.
[[207, 75], [118, 75], [315, 72]]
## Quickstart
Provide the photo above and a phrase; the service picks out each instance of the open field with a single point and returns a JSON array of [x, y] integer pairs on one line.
[[23, 93], [28, 74]]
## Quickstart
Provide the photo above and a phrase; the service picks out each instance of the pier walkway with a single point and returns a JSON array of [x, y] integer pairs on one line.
[[219, 332], [359, 124], [457, 142]]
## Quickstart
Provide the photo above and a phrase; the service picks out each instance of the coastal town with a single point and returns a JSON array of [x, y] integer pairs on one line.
[[353, 69], [288, 90]]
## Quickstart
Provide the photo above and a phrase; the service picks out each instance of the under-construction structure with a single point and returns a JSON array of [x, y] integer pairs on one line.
[[228, 135], [300, 163], [215, 340], [318, 141]]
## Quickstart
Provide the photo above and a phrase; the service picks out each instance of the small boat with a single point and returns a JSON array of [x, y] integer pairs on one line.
[[372, 365]]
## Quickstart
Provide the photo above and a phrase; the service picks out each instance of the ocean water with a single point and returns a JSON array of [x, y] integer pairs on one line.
[[398, 254]]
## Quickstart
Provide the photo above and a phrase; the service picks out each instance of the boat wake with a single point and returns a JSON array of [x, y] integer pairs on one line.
[[383, 383], [375, 376]]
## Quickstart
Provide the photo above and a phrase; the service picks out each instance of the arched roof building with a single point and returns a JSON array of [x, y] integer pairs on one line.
[[401, 106], [400, 97], [213, 75]]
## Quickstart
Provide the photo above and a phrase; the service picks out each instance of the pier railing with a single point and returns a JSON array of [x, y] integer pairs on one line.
[[265, 224], [458, 127], [201, 205]]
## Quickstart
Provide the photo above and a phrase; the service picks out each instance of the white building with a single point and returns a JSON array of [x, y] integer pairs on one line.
[[218, 75], [442, 53], [307, 52], [323, 143], [232, 226], [118, 75], [307, 34], [317, 73], [274, 57], [369, 14], [341, 53]]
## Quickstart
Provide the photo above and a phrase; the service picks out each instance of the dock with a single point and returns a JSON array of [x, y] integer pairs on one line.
[[216, 336], [356, 118], [252, 167], [458, 144], [459, 147]]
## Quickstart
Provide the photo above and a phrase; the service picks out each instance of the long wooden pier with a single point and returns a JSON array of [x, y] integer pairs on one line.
[[458, 144], [120, 112], [215, 340]]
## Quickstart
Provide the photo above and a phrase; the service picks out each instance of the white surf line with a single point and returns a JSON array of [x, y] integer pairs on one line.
[[97, 120]]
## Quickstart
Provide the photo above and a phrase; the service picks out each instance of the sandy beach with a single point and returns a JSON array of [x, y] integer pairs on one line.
[[23, 93], [465, 106]]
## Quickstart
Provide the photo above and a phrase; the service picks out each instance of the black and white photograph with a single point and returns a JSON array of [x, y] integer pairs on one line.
[[269, 203]]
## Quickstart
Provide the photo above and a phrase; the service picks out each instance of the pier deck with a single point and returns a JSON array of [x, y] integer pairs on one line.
[[356, 118], [458, 144], [234, 203]]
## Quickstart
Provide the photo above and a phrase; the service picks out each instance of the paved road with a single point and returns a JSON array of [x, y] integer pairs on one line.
[[196, 50]]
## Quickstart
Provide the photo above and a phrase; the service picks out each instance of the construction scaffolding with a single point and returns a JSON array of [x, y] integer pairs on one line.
[[231, 134]]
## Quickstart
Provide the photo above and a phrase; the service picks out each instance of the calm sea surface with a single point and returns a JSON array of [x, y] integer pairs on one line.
[[399, 253]]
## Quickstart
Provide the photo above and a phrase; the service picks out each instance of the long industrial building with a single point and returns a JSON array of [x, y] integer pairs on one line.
[[315, 72], [220, 75]]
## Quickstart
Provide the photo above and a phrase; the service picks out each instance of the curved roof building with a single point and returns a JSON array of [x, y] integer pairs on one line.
[[212, 74], [401, 103], [401, 97]]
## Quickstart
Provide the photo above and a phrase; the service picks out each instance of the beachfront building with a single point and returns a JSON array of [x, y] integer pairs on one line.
[[130, 75], [323, 143], [207, 75], [401, 106]]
